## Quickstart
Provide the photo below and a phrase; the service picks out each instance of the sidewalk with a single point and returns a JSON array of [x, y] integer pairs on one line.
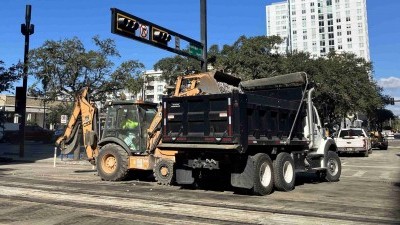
[[35, 152]]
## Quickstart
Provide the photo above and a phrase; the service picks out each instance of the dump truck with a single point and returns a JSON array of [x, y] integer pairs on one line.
[[260, 134], [131, 131]]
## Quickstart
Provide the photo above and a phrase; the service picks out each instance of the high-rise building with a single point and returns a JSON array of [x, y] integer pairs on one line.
[[153, 86], [319, 26]]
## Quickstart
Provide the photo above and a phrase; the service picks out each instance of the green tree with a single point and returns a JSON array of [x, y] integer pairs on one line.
[[64, 67], [344, 81], [9, 75], [175, 66]]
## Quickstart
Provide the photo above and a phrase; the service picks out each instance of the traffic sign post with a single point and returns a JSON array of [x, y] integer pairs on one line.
[[64, 119]]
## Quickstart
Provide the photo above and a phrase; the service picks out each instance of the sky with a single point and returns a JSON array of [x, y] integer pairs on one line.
[[227, 20]]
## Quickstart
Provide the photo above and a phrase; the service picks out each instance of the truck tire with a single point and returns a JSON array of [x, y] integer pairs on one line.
[[164, 171], [112, 163], [284, 174], [333, 167], [263, 177]]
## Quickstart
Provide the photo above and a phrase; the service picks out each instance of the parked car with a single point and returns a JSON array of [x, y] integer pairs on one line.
[[378, 140], [59, 132], [353, 140], [32, 133]]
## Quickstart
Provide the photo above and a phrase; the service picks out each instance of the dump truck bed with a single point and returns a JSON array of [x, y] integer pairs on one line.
[[234, 121]]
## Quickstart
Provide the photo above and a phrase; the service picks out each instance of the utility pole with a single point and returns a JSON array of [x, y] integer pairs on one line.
[[203, 31], [26, 29]]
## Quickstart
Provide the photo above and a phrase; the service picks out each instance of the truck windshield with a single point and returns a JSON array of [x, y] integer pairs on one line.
[[351, 133]]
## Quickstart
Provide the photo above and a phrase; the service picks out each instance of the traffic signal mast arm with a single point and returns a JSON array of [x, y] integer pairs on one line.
[[136, 28]]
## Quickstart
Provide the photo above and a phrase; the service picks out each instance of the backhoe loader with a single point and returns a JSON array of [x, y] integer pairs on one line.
[[131, 132]]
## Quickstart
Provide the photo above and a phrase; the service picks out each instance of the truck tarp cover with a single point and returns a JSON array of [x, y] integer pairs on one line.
[[287, 80]]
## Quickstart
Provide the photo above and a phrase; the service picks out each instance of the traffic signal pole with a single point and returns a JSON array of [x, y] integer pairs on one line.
[[203, 25], [26, 29]]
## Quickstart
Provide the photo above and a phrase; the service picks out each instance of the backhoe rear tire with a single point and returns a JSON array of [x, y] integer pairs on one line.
[[112, 163]]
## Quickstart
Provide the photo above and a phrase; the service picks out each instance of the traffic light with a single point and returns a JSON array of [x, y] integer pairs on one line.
[[29, 31], [126, 24], [19, 100], [160, 36], [391, 100]]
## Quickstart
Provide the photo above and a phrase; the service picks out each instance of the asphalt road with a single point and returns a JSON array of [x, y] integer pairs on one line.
[[72, 193]]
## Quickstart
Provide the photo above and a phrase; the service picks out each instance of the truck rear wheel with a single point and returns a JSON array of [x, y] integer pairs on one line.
[[284, 174], [164, 171], [263, 179], [333, 167], [112, 163]]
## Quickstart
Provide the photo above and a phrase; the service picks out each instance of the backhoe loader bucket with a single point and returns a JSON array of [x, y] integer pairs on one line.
[[71, 144]]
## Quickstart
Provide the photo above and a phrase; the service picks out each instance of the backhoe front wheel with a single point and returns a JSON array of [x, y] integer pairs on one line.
[[112, 163], [164, 171]]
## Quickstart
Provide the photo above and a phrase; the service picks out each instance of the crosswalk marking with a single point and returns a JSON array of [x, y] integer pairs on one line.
[[359, 173]]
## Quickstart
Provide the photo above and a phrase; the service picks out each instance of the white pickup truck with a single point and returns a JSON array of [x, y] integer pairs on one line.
[[353, 140]]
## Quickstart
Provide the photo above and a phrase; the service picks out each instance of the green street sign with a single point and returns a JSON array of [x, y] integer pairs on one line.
[[195, 51]]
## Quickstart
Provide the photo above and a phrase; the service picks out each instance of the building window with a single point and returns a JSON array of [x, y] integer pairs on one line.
[[330, 22], [312, 10], [339, 27], [160, 88], [321, 17], [321, 30], [338, 20], [328, 2], [340, 47], [322, 43], [361, 45], [312, 4], [303, 11], [330, 29], [304, 37], [330, 16], [331, 42], [339, 33], [295, 32], [348, 18], [321, 23], [349, 46], [313, 17], [349, 39], [330, 35]]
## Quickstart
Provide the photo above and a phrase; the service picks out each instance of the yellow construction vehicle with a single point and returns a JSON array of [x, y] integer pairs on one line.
[[131, 132]]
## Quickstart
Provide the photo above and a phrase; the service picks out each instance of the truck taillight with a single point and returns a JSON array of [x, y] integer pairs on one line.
[[365, 143], [229, 112], [165, 118]]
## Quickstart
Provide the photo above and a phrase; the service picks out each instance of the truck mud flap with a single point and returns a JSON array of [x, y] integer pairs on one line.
[[184, 176], [244, 179]]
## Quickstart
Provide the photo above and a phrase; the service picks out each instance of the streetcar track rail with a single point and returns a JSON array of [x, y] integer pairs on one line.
[[71, 188]]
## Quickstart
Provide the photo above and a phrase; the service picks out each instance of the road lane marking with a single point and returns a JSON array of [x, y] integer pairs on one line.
[[359, 173], [381, 167], [385, 175]]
